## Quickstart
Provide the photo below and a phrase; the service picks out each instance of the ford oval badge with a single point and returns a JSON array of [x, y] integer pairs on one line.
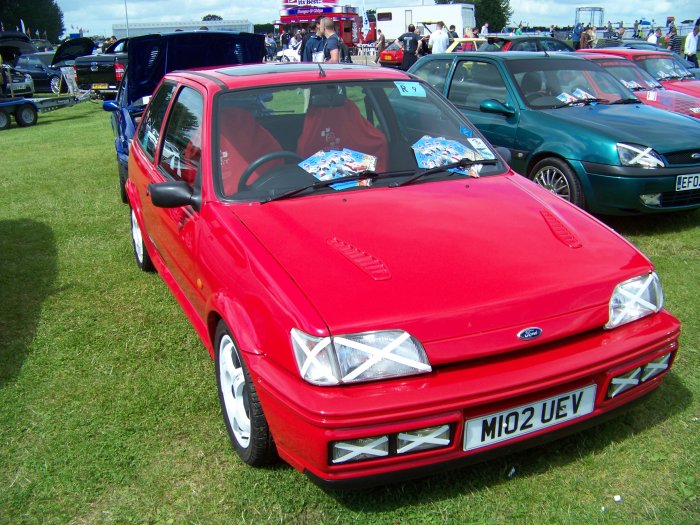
[[530, 333]]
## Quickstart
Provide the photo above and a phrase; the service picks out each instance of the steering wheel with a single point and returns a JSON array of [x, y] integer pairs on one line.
[[264, 159]]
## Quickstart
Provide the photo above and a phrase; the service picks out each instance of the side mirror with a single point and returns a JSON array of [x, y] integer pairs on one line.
[[110, 105], [172, 194], [494, 106], [505, 153]]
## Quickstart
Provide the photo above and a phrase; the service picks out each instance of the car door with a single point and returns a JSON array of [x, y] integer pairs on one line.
[[179, 156], [472, 82]]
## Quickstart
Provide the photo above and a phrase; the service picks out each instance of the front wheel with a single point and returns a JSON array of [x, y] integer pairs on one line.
[[245, 422], [26, 115], [557, 176], [143, 260], [4, 120], [55, 84]]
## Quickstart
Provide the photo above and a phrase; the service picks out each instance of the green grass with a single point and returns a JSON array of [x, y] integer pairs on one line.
[[108, 406]]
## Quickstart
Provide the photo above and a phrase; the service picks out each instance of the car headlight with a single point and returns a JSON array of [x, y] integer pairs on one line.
[[359, 357], [634, 299], [638, 156]]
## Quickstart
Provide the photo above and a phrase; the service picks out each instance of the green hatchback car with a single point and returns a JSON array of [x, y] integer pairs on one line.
[[573, 128]]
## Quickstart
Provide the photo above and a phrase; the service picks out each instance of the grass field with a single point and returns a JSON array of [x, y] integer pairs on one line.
[[108, 405]]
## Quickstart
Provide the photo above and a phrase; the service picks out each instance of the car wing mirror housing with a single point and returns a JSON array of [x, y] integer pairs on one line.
[[494, 106], [172, 194], [110, 105]]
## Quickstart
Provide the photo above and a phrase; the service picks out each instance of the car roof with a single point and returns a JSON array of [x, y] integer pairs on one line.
[[272, 73], [626, 51], [507, 56]]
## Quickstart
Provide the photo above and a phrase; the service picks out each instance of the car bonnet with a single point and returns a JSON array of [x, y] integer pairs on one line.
[[448, 260]]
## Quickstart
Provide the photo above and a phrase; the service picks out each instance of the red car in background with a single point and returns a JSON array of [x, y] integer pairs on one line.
[[664, 67], [646, 87], [373, 281], [392, 56]]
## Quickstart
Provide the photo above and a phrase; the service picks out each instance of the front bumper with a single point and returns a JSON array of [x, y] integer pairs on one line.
[[618, 190], [306, 420]]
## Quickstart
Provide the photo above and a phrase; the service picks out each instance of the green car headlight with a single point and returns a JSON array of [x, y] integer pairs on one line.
[[352, 358], [639, 156], [634, 299]]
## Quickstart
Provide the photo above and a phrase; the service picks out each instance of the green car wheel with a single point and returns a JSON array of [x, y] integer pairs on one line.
[[556, 176]]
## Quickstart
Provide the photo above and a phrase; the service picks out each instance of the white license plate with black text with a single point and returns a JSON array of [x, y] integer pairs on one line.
[[525, 419], [688, 182]]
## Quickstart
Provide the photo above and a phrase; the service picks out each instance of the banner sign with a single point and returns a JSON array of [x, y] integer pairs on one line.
[[294, 4]]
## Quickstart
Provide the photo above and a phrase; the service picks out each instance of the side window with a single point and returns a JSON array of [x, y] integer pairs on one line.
[[553, 45], [149, 132], [474, 82], [525, 45], [182, 145], [434, 72]]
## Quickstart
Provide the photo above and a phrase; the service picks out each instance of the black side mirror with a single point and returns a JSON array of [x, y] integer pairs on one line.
[[494, 106], [172, 194]]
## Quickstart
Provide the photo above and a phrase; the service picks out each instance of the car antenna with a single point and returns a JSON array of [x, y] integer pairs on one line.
[[321, 72]]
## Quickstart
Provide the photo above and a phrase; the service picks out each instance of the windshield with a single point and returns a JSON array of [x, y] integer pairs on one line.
[[664, 68], [633, 77], [277, 139], [551, 83]]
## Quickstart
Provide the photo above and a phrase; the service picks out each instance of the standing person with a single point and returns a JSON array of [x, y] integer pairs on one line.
[[673, 41], [439, 41], [331, 49], [295, 41], [270, 47], [484, 29], [690, 49], [576, 35], [409, 40], [315, 41], [654, 37], [453, 32], [380, 44]]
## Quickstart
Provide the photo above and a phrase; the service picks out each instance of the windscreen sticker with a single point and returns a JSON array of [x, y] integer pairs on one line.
[[432, 152], [481, 148], [652, 95], [410, 89], [467, 132], [328, 165]]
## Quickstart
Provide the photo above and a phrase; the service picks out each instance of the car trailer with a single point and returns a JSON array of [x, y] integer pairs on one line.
[[26, 110]]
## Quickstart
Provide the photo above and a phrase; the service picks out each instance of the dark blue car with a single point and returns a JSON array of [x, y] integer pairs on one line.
[[152, 56]]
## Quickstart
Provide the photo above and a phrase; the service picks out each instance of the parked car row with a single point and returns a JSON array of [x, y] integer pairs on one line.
[[371, 277]]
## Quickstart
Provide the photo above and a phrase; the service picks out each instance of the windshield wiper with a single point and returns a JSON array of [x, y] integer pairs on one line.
[[585, 101], [363, 175], [626, 101], [461, 163]]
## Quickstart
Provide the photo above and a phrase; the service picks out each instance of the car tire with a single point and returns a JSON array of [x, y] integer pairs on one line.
[[245, 421], [143, 260], [55, 84], [122, 182], [4, 120], [26, 115], [557, 176]]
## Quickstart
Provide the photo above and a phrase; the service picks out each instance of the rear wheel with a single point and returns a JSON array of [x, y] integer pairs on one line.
[[243, 415], [558, 177], [55, 84], [143, 260], [4, 120], [26, 115]]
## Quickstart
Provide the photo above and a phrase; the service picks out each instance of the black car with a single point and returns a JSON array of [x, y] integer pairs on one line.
[[47, 73], [524, 43]]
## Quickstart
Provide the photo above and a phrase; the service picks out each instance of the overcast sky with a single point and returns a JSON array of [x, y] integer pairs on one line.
[[98, 17]]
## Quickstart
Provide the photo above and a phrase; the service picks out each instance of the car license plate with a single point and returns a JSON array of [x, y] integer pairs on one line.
[[688, 182], [525, 419], [100, 86], [386, 57]]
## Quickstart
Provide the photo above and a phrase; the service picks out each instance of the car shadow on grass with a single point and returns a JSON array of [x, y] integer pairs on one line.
[[653, 224], [671, 398], [28, 270]]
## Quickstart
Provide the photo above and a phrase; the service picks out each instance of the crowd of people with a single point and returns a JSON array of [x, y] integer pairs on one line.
[[320, 43]]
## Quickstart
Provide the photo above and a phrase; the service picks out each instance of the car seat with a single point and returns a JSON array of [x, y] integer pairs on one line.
[[242, 140], [334, 122]]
